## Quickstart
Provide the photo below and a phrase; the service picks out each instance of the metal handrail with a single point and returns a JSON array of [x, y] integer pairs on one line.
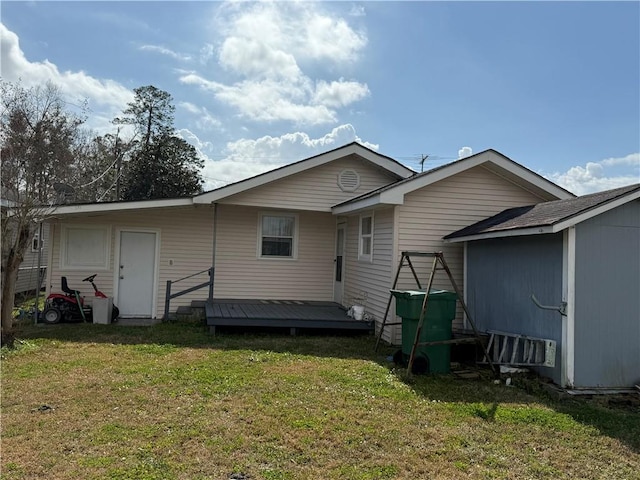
[[169, 295]]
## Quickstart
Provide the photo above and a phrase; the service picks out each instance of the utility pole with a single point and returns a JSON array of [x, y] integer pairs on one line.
[[118, 165]]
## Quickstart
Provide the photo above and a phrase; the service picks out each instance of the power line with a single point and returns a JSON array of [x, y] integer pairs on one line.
[[101, 175]]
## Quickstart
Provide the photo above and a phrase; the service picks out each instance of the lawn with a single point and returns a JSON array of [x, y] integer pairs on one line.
[[172, 402]]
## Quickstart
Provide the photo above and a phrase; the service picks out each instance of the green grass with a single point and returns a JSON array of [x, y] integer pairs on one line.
[[172, 402]]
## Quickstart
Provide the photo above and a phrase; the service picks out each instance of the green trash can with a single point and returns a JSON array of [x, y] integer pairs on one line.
[[441, 310]]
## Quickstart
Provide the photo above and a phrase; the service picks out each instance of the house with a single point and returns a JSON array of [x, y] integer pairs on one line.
[[581, 254], [329, 228], [35, 260], [35, 256]]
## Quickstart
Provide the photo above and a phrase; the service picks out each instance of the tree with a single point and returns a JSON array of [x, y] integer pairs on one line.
[[151, 113], [161, 164], [170, 167], [38, 145], [97, 170]]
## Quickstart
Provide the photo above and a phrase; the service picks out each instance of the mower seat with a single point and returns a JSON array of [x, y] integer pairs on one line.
[[67, 290]]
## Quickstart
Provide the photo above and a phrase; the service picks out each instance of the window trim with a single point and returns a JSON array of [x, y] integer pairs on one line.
[[366, 257], [296, 236], [106, 254], [36, 244]]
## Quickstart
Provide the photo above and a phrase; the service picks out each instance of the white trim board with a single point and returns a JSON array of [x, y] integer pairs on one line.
[[119, 206]]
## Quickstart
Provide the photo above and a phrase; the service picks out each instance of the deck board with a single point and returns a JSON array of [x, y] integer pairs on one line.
[[292, 314]]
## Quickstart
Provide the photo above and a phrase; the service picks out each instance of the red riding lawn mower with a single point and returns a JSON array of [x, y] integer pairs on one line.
[[70, 306]]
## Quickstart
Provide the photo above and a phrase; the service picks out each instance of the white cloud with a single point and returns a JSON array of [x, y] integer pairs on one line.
[[166, 51], [267, 100], [340, 93], [206, 53], [300, 28], [275, 51], [204, 120], [200, 145], [245, 157], [255, 58], [357, 11], [602, 175], [76, 87], [328, 38], [465, 152]]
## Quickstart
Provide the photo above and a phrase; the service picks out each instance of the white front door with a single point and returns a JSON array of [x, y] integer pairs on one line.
[[338, 285], [137, 267]]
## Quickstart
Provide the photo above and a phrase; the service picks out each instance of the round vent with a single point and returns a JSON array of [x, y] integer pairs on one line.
[[348, 180]]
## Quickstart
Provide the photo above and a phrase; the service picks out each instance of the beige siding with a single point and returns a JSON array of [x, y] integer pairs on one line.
[[315, 189], [370, 280], [241, 274], [186, 239], [432, 212]]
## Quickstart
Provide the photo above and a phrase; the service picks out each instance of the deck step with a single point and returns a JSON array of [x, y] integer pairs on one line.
[[195, 311]]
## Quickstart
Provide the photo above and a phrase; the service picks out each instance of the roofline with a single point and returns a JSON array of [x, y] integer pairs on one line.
[[394, 195], [597, 210], [370, 201], [514, 232], [364, 204], [376, 158], [119, 206], [557, 226]]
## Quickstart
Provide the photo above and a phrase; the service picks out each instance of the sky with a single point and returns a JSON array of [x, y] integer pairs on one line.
[[555, 86]]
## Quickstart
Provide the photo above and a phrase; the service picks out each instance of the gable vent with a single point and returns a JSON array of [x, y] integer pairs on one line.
[[348, 180]]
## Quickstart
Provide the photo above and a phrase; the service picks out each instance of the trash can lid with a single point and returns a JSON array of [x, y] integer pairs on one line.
[[412, 293], [407, 293]]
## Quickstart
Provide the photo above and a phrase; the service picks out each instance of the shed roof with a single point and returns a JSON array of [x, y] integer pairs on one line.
[[547, 217]]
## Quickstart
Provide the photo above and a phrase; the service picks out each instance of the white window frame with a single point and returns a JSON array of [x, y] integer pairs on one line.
[[362, 255], [102, 262], [36, 245], [294, 243]]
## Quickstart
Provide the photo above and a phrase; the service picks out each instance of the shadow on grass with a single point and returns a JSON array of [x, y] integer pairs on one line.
[[615, 417], [315, 342], [478, 397]]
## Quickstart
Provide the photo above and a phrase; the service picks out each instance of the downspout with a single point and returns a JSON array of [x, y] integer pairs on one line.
[[465, 250]]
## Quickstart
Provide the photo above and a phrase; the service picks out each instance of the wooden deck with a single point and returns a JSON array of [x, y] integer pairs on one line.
[[291, 314]]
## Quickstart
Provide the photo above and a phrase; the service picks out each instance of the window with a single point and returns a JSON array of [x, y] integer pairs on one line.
[[366, 237], [35, 243], [278, 236], [85, 247]]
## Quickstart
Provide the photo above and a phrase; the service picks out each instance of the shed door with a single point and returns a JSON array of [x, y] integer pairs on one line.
[[137, 273], [338, 285]]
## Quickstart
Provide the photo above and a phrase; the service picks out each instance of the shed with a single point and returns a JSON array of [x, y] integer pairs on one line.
[[581, 253]]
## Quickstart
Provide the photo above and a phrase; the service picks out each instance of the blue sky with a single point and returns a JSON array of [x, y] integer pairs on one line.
[[554, 86]]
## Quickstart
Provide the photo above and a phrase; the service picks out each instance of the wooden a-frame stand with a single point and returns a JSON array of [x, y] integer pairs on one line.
[[439, 263]]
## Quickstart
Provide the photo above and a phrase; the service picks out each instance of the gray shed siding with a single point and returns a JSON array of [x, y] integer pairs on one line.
[[502, 273], [607, 312]]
